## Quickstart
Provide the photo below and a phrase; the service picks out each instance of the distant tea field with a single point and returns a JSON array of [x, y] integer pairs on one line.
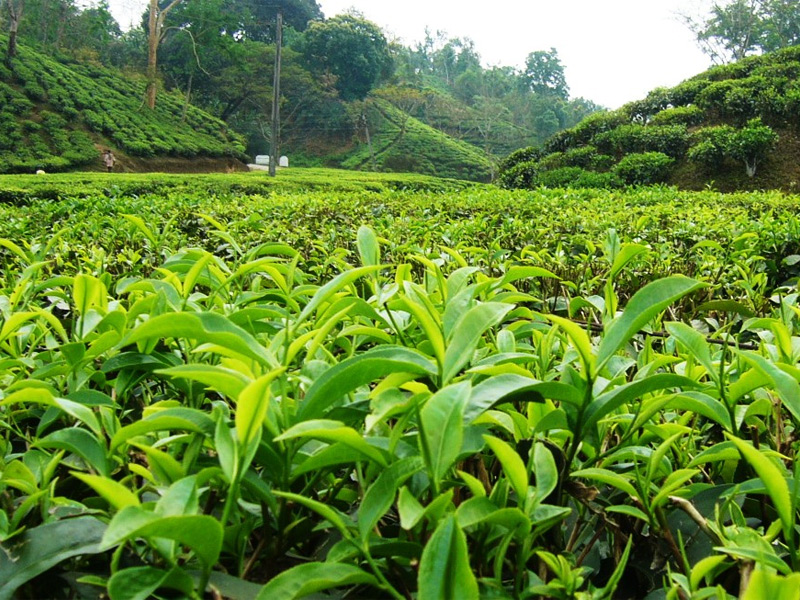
[[345, 385]]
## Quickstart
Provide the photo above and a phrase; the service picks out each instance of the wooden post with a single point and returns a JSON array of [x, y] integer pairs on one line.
[[276, 98]]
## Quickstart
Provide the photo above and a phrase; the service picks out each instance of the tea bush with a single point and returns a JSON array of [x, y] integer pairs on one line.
[[438, 393], [644, 169]]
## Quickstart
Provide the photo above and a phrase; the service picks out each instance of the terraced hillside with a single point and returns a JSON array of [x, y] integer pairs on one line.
[[734, 127], [57, 116]]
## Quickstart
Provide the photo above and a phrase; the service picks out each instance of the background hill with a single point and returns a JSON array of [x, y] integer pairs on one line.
[[733, 127]]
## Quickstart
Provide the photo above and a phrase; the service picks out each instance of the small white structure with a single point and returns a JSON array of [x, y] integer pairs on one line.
[[40, 172], [284, 161], [262, 159]]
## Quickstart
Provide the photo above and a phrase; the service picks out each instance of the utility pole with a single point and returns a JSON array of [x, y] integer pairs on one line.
[[276, 97]]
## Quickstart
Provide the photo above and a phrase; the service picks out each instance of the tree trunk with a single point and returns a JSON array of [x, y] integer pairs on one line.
[[155, 25], [152, 54], [188, 98], [14, 11]]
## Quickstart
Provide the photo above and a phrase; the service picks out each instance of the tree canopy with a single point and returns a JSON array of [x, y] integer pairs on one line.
[[738, 28], [351, 48]]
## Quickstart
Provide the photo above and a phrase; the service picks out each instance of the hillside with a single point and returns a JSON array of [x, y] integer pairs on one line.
[[733, 127], [401, 143], [57, 117]]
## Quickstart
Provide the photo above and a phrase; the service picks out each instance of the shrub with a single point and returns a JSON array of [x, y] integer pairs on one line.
[[679, 115], [752, 144], [523, 155], [685, 94], [644, 169], [554, 160], [575, 177], [520, 176], [585, 157], [711, 146], [672, 140]]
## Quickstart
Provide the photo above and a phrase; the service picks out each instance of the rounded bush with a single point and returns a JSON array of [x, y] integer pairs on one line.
[[644, 168]]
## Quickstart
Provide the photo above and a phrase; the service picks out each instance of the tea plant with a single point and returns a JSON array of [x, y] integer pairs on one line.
[[428, 409]]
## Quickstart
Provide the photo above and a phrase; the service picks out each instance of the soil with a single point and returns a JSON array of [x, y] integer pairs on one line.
[[171, 164]]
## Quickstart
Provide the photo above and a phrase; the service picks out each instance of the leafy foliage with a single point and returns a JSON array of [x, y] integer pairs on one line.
[[740, 113], [95, 106], [339, 400]]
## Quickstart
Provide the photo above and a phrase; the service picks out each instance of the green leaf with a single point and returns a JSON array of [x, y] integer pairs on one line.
[[409, 509], [139, 583], [206, 328], [201, 533], [444, 570], [432, 329], [352, 373], [580, 340], [310, 578], [773, 480], [513, 467], [330, 514], [545, 470], [80, 442], [330, 288], [368, 246], [381, 493], [226, 381], [443, 428], [495, 389], [625, 255], [608, 477], [334, 432], [251, 409], [645, 305], [187, 419], [697, 345], [39, 549], [467, 333], [116, 494], [606, 403], [764, 584], [786, 385], [704, 405]]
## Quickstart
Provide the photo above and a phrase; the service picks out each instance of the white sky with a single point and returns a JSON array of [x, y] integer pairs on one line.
[[614, 51]]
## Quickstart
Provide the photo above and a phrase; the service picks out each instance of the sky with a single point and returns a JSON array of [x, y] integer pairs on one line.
[[614, 51]]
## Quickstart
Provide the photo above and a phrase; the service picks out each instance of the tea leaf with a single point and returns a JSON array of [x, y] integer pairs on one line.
[[644, 306], [467, 333], [303, 580], [443, 428], [208, 328], [444, 570], [359, 370], [41, 548]]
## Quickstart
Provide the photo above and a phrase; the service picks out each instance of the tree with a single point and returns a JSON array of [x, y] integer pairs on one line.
[[155, 33], [13, 12], [751, 144], [544, 74], [732, 31], [259, 16], [351, 48], [739, 28]]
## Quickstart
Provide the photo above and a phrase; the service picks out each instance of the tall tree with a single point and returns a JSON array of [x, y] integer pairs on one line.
[[738, 28], [544, 74], [297, 14], [351, 48], [155, 33], [13, 12]]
